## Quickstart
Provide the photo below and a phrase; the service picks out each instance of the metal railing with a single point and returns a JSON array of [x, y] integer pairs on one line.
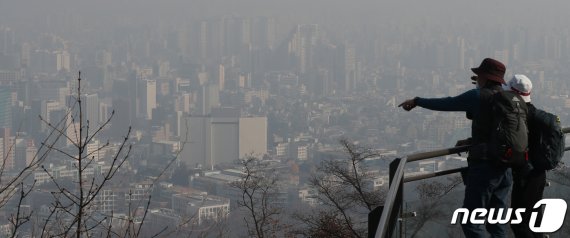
[[389, 213]]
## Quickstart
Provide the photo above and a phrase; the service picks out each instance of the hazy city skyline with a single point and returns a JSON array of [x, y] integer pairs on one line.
[[205, 84]]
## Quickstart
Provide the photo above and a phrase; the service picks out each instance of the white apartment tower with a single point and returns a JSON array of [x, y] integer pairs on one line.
[[148, 97]]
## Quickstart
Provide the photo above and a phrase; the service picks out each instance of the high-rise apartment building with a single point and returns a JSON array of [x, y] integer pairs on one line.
[[5, 108], [8, 151], [209, 98], [147, 97], [63, 61], [263, 33], [349, 68], [221, 77], [302, 45]]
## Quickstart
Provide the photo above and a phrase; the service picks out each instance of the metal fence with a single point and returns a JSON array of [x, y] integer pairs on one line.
[[387, 216]]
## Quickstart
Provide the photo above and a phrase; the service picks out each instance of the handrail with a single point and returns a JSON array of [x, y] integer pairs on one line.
[[433, 175], [437, 153], [387, 212], [385, 226]]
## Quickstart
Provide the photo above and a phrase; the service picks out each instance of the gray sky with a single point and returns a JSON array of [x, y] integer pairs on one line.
[[332, 11]]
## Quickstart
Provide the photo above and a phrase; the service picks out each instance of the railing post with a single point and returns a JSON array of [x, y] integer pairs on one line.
[[375, 215], [373, 220], [399, 198], [393, 167]]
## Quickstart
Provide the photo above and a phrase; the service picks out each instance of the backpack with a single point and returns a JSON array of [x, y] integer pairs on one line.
[[546, 145], [509, 137]]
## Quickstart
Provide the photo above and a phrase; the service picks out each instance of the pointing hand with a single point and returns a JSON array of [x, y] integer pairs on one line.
[[408, 104]]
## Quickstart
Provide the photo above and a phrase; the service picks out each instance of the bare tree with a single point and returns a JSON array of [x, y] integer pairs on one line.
[[258, 188], [20, 217], [72, 212], [17, 184], [430, 207], [347, 194]]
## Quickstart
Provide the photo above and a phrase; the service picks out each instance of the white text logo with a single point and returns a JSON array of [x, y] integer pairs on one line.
[[552, 219]]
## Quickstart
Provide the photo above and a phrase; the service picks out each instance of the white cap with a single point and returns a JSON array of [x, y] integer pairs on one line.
[[520, 84]]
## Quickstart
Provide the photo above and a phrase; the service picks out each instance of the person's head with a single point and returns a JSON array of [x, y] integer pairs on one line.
[[520, 84], [490, 72]]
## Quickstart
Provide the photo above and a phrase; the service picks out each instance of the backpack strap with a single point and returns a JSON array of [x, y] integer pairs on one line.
[[482, 123]]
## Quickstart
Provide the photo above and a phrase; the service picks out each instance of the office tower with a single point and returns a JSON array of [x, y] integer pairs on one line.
[[209, 98], [25, 151], [252, 136], [122, 118], [47, 108], [194, 141], [212, 139], [91, 110], [222, 137], [5, 108], [132, 88], [179, 125], [124, 101], [20, 154]]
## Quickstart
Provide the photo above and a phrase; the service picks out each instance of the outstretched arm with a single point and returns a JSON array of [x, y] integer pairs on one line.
[[465, 102]]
